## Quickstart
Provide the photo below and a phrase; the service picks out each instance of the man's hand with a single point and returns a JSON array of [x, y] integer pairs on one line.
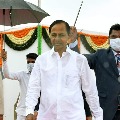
[[88, 118], [1, 117], [73, 34], [30, 117], [35, 115], [4, 55]]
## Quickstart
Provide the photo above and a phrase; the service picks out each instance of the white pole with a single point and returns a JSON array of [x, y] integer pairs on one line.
[[39, 3]]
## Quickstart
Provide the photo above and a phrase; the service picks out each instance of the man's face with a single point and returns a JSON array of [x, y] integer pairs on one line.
[[30, 60], [59, 37], [114, 40], [115, 34]]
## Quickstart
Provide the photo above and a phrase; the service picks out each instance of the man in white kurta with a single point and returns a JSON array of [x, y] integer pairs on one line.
[[60, 76], [23, 78]]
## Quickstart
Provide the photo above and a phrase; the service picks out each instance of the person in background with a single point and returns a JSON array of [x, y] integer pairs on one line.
[[105, 63], [61, 95], [74, 47], [23, 78]]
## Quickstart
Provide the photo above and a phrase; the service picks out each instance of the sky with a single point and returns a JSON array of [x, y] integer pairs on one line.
[[95, 15]]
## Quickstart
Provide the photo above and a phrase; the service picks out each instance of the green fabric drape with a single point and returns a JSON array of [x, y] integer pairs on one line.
[[39, 36]]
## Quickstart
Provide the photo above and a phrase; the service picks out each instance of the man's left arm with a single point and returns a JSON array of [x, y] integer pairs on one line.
[[90, 89]]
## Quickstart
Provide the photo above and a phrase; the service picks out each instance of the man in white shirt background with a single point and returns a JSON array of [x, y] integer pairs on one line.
[[23, 78], [60, 74]]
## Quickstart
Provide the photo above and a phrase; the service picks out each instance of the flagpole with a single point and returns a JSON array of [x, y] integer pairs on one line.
[[78, 13], [39, 3]]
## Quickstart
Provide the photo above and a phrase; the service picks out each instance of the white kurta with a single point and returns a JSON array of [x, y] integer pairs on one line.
[[60, 81]]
